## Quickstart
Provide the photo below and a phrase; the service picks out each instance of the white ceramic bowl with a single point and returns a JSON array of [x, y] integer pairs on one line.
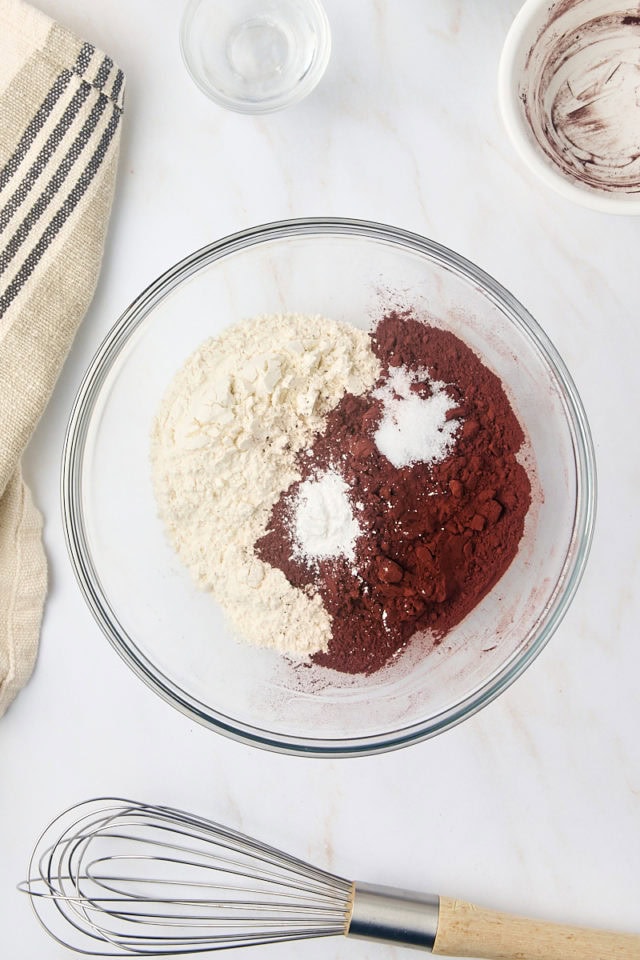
[[568, 81]]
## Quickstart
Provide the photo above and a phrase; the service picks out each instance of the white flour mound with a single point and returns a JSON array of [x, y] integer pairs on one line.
[[223, 449]]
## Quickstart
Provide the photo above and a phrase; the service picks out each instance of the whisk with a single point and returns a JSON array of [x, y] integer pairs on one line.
[[113, 877]]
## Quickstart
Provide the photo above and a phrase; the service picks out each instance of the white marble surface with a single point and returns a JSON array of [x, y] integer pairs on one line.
[[534, 804]]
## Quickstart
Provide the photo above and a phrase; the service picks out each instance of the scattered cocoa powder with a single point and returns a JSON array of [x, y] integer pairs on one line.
[[435, 537]]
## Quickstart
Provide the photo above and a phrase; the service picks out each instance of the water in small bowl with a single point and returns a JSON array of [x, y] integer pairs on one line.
[[255, 56]]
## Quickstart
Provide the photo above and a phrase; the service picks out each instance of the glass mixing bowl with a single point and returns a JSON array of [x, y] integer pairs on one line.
[[174, 636]]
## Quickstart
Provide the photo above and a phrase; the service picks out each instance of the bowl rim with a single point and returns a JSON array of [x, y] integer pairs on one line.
[[80, 554], [302, 89], [531, 14]]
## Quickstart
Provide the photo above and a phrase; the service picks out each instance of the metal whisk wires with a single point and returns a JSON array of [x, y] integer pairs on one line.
[[115, 877]]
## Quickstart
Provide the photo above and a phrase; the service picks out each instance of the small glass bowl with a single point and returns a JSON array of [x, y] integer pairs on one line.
[[174, 636], [255, 56]]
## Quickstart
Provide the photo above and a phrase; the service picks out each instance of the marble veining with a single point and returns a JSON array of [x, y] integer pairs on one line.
[[532, 805]]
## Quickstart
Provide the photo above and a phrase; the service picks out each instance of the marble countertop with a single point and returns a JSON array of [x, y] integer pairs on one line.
[[533, 805]]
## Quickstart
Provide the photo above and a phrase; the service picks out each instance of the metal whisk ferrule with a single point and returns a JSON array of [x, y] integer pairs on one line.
[[391, 915]]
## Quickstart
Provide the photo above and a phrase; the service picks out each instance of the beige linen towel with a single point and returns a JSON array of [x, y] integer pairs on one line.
[[60, 115]]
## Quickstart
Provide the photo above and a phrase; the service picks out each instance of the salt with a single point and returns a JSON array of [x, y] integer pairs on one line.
[[323, 522], [414, 429]]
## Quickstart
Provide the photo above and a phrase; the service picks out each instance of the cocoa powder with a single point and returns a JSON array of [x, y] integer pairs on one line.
[[435, 537]]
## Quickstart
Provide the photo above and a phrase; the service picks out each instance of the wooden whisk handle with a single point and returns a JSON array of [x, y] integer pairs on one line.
[[465, 930]]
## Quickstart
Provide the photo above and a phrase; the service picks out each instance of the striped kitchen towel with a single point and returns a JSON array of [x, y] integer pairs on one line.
[[61, 106]]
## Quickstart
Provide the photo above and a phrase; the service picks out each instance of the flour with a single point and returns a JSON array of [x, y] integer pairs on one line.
[[223, 449]]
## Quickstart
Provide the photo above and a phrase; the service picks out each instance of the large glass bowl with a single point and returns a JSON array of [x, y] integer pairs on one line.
[[174, 636]]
